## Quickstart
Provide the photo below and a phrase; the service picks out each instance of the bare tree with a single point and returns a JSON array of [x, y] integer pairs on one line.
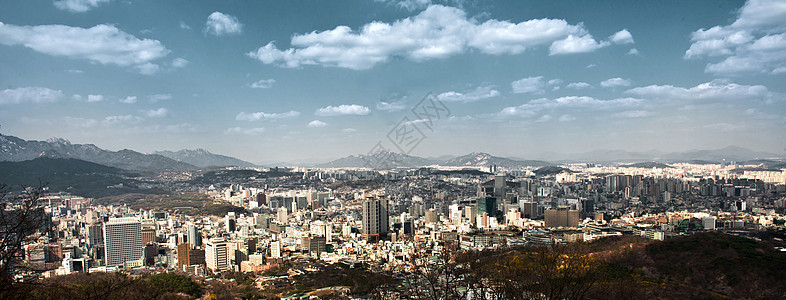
[[22, 219]]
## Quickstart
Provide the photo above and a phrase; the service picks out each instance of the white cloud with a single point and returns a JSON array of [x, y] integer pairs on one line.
[[185, 26], [349, 130], [536, 106], [480, 93], [157, 113], [615, 82], [158, 97], [263, 84], [78, 5], [544, 118], [554, 82], [344, 109], [317, 124], [437, 32], [633, 114], [754, 43], [532, 85], [122, 119], [633, 51], [95, 98], [257, 116], [622, 37], [392, 106], [576, 44], [713, 90], [578, 85], [245, 131], [180, 62], [566, 118], [104, 44], [222, 24], [75, 71], [29, 94], [80, 122], [128, 100]]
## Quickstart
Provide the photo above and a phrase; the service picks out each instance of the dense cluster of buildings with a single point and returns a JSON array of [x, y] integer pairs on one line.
[[387, 223]]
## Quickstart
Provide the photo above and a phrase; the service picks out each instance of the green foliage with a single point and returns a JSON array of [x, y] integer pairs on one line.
[[174, 283]]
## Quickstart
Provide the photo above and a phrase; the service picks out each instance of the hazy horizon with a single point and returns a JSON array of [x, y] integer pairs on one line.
[[315, 81]]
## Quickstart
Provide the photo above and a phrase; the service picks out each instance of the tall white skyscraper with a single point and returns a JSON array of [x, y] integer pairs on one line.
[[122, 240], [217, 255]]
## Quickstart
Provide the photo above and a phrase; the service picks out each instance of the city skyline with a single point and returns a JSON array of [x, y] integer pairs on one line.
[[267, 81]]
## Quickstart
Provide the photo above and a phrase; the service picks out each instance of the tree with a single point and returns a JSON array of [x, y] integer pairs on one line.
[[22, 219]]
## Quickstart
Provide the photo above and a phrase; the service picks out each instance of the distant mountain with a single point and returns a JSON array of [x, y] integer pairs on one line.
[[730, 153], [480, 159], [391, 159], [551, 170], [203, 158], [649, 165], [15, 149], [76, 176]]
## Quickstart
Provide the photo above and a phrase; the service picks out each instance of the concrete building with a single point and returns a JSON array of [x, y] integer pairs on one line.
[[562, 217], [375, 218], [217, 255], [122, 241]]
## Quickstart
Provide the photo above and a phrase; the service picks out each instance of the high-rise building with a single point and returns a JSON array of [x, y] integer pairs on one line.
[[217, 255], [375, 218], [275, 249], [194, 237], [431, 216], [95, 235], [562, 217], [230, 222], [148, 235], [122, 240]]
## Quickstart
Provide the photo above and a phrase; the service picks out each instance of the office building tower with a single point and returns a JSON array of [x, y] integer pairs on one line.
[[122, 240], [95, 235], [194, 237], [230, 222], [275, 249], [148, 235], [217, 255], [562, 217], [375, 218]]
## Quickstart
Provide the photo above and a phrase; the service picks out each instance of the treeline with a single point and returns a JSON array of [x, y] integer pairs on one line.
[[700, 266]]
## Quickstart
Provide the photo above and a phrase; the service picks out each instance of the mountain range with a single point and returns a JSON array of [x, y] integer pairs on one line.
[[15, 149], [395, 160], [203, 158], [730, 153]]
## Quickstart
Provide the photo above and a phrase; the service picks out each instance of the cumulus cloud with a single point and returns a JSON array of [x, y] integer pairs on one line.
[[29, 95], [245, 131], [128, 100], [615, 82], [180, 62], [95, 98], [344, 109], [480, 93], [578, 85], [622, 37], [713, 90], [263, 84], [222, 24], [103, 44], [157, 113], [633, 51], [437, 32], [78, 5], [531, 85], [316, 124], [754, 43], [576, 44], [262, 116]]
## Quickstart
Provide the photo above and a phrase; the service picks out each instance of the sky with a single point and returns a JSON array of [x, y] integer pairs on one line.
[[315, 80]]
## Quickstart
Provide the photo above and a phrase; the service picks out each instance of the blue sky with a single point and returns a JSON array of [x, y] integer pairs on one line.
[[316, 80]]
